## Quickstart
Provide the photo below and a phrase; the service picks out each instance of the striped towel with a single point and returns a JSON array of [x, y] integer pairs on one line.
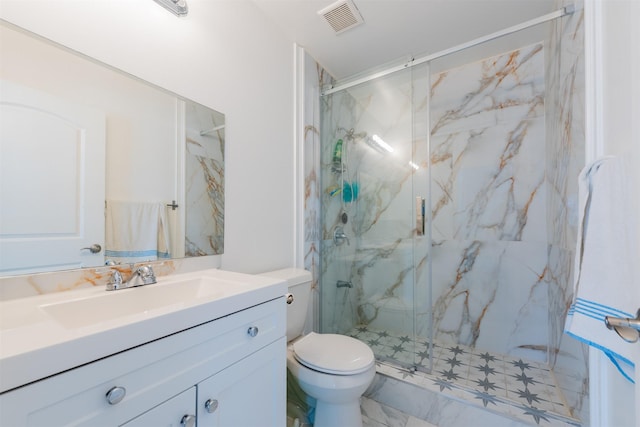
[[136, 232], [606, 254]]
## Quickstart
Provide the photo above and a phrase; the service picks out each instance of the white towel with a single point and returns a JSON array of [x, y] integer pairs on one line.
[[606, 254], [136, 232]]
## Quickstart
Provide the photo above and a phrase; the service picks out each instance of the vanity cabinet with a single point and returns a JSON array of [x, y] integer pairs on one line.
[[230, 371]]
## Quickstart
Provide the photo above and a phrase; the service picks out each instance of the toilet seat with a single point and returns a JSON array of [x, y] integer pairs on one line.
[[333, 354]]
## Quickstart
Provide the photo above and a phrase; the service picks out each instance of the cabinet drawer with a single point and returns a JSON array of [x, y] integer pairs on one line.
[[149, 374], [170, 413]]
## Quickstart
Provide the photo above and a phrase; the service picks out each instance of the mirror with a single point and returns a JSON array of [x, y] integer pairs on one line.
[[81, 141]]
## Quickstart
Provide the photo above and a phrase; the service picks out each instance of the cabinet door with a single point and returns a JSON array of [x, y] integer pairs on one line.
[[178, 411], [249, 393]]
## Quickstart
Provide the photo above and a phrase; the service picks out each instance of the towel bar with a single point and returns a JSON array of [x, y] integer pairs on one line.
[[628, 329]]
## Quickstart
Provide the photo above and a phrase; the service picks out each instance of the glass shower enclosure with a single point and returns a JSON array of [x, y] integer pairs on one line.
[[446, 202]]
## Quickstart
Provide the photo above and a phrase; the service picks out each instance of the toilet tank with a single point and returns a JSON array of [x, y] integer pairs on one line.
[[299, 283]]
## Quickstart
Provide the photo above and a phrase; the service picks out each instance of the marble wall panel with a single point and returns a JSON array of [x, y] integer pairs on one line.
[[28, 285], [492, 295], [489, 183], [204, 184], [487, 149], [503, 88], [488, 201], [386, 275], [338, 310]]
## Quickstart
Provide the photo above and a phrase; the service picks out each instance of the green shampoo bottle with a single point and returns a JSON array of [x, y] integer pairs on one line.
[[337, 153]]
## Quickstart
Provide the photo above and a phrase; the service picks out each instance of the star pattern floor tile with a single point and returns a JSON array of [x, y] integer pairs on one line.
[[527, 388]]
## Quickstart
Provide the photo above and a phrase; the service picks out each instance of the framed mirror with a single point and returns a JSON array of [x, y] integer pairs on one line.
[[97, 166]]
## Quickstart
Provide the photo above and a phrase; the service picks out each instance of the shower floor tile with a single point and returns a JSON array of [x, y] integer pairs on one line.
[[521, 388]]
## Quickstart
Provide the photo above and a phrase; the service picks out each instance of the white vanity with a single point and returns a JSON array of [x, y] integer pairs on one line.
[[197, 349]]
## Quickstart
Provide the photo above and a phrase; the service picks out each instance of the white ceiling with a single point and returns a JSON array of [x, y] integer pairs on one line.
[[394, 30]]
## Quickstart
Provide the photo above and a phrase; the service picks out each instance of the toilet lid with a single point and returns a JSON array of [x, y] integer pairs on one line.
[[333, 354]]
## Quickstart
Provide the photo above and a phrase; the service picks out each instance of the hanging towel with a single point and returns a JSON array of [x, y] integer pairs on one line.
[[606, 255], [136, 232]]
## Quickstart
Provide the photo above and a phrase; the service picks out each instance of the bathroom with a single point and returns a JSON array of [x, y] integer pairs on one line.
[[229, 56]]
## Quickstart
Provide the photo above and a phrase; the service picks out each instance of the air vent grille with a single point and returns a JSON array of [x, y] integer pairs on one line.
[[342, 16]]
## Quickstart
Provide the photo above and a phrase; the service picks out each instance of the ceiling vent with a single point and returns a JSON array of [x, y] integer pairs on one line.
[[342, 15]]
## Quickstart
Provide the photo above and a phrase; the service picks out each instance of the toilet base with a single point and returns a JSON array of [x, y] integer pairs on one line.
[[338, 414]]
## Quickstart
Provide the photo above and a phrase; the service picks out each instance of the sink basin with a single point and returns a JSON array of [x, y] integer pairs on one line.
[[142, 300]]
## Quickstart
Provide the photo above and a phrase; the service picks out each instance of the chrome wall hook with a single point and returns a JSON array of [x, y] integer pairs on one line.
[[628, 329]]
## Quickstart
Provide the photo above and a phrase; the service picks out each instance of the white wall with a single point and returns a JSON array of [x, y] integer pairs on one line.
[[225, 55], [139, 117]]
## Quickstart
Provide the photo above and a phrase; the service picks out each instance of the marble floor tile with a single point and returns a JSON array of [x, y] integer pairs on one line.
[[378, 413], [375, 414], [416, 422]]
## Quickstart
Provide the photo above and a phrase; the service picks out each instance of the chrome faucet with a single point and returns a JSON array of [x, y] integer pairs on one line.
[[339, 236], [144, 272]]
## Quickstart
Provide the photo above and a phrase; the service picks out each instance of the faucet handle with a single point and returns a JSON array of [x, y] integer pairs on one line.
[[146, 274], [115, 281]]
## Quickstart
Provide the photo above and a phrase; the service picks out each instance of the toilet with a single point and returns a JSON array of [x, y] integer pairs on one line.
[[333, 369]]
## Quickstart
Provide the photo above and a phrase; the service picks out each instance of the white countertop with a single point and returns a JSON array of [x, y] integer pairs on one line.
[[43, 335]]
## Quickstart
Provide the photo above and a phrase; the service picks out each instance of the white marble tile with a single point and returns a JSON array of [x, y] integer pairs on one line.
[[382, 414], [489, 184], [504, 87], [368, 422], [416, 422], [479, 285]]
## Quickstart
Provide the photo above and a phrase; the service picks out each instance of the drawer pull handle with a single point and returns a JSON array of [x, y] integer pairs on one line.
[[188, 421], [289, 298], [252, 331], [115, 395], [211, 405]]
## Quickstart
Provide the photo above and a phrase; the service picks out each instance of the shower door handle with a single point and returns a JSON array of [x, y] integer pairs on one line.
[[420, 215]]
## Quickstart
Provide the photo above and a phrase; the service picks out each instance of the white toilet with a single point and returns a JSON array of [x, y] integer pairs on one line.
[[333, 369]]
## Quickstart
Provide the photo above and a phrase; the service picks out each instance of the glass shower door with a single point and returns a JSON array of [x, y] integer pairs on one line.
[[369, 217]]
